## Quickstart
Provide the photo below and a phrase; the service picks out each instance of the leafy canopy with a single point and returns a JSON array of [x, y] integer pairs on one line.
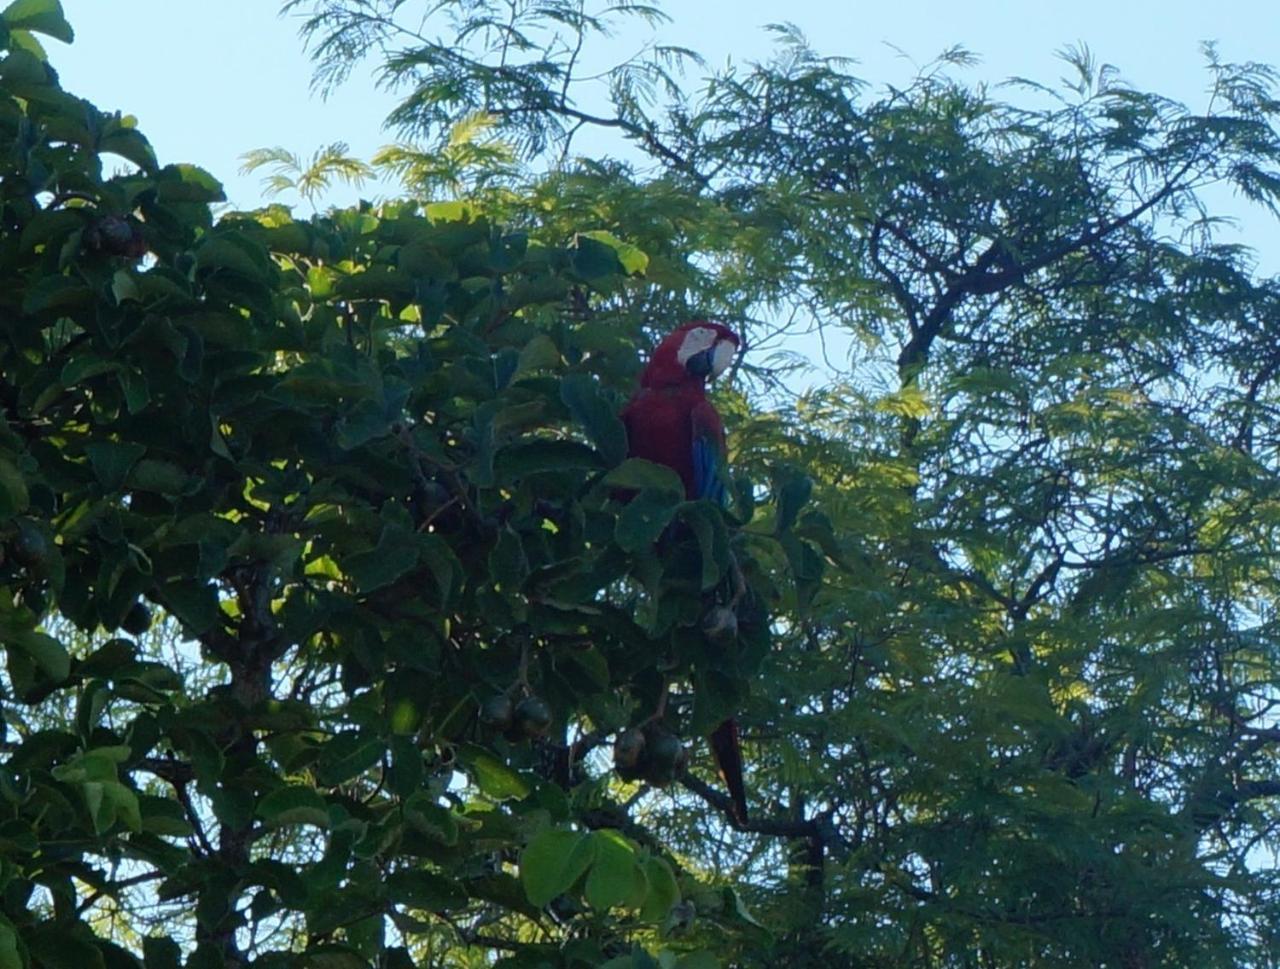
[[1006, 669]]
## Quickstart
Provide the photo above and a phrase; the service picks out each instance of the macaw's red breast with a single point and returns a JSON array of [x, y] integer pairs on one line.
[[659, 422]]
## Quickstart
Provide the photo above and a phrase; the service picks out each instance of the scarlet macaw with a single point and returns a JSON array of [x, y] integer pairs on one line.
[[670, 421]]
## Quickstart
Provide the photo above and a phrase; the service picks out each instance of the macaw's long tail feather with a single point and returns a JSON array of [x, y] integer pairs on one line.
[[726, 748]]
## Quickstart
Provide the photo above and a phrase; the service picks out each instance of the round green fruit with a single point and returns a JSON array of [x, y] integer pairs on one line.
[[137, 620], [498, 712], [533, 716], [720, 625], [628, 752], [667, 759], [29, 546]]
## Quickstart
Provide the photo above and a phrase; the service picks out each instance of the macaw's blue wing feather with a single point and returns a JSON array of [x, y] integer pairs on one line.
[[710, 462], [708, 477]]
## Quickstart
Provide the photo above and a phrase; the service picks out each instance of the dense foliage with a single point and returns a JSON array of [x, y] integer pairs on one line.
[[368, 465], [322, 606]]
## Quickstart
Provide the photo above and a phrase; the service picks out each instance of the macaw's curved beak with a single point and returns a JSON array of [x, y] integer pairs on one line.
[[700, 364]]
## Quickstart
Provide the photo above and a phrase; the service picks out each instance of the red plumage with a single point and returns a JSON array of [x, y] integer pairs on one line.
[[670, 421]]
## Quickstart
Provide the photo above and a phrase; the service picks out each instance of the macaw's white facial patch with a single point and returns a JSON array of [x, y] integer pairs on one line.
[[722, 356], [695, 341]]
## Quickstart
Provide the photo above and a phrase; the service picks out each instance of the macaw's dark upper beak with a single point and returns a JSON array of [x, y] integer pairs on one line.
[[699, 365]]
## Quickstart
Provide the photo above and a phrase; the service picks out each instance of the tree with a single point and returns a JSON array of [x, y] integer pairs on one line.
[[361, 472], [1029, 718], [1007, 666]]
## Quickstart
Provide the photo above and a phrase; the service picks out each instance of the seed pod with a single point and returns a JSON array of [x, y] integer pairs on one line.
[[533, 716], [720, 625], [137, 620], [629, 754], [667, 758], [29, 546], [497, 712]]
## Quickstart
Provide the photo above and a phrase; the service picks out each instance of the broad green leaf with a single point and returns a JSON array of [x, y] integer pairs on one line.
[[532, 457], [450, 211], [192, 603], [508, 564], [663, 890], [634, 261], [112, 461], [188, 183], [708, 526], [232, 253], [644, 519], [42, 16], [425, 890], [160, 952], [424, 815], [552, 862], [394, 555], [56, 294], [14, 499], [294, 804], [613, 875], [592, 259], [48, 654], [10, 957], [348, 755], [540, 353], [331, 957], [162, 816], [794, 490], [637, 474], [493, 777], [159, 476], [596, 415]]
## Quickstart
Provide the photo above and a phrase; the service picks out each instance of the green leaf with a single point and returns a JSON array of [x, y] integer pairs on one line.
[[663, 890], [10, 957], [713, 539], [637, 474], [112, 461], [424, 815], [56, 294], [394, 555], [234, 254], [522, 459], [188, 183], [493, 777], [633, 260], [425, 890], [450, 211], [161, 952], [596, 415], [613, 875], [163, 816], [295, 804], [160, 477], [348, 755], [14, 499], [193, 603], [123, 286], [794, 492], [508, 564], [48, 654], [540, 353], [644, 519], [553, 862], [42, 16], [592, 259]]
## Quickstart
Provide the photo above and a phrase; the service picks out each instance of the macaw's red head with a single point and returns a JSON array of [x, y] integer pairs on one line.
[[691, 353]]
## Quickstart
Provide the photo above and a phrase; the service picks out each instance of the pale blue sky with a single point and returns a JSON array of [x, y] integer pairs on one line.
[[208, 81]]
